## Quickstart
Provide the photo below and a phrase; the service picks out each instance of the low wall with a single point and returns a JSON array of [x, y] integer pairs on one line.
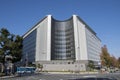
[[64, 67]]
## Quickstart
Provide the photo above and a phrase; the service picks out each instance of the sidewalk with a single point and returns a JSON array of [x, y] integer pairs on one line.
[[73, 72], [3, 77]]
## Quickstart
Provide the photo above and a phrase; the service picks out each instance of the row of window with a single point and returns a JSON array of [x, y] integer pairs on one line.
[[63, 42], [29, 44], [57, 45], [63, 33], [63, 55], [63, 36], [65, 30], [63, 58], [30, 36], [67, 39], [64, 52], [64, 49], [93, 42]]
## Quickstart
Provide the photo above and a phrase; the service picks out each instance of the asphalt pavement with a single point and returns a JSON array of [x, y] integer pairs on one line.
[[48, 76]]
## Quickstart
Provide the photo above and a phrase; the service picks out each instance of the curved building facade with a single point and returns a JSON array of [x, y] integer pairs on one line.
[[62, 40], [67, 45]]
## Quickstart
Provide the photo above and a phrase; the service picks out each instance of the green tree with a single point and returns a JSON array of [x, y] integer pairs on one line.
[[16, 48], [91, 65], [118, 62], [114, 62], [40, 66], [4, 44], [11, 45], [105, 57]]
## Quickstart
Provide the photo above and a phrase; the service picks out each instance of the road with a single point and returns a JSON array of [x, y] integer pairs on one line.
[[47, 76]]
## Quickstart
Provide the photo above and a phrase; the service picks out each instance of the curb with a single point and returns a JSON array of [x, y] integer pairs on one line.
[[6, 77]]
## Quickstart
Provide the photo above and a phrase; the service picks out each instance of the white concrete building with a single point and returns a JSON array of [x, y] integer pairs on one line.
[[61, 45]]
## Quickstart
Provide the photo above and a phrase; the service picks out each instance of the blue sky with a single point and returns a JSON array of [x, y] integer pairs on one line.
[[103, 16]]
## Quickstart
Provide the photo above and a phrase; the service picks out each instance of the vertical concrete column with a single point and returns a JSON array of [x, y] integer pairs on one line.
[[76, 37], [49, 39]]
